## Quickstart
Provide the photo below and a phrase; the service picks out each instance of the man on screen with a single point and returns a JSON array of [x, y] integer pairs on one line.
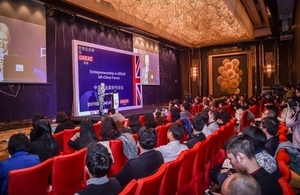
[[101, 94], [145, 71], [4, 43]]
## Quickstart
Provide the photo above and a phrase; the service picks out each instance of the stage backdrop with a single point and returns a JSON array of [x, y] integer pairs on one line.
[[118, 69]]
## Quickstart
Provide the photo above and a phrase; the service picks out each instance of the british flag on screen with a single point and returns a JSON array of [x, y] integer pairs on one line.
[[137, 86]]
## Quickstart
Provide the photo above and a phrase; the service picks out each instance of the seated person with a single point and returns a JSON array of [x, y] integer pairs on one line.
[[97, 164], [241, 183], [174, 147], [270, 128], [19, 148], [241, 153], [185, 110], [83, 138], [147, 163], [197, 136], [45, 145], [161, 120], [212, 121], [115, 115], [63, 122], [34, 120], [150, 121], [134, 123]]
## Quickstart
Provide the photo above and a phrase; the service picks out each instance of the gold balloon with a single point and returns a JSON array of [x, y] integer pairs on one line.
[[234, 83], [230, 73], [236, 69], [220, 79], [229, 90], [228, 66], [224, 85], [235, 62], [225, 61], [223, 90], [240, 72], [224, 74], [240, 79], [237, 91], [237, 76], [221, 69]]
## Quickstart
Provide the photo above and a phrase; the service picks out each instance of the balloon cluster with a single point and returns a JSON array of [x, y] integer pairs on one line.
[[230, 76]]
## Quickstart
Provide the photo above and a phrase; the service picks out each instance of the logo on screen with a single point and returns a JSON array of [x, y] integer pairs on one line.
[[85, 58], [19, 67]]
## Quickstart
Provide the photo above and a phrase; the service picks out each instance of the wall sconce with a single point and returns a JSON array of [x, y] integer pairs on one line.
[[269, 69], [194, 70]]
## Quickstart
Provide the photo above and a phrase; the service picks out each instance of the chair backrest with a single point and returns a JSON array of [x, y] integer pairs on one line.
[[67, 136], [68, 173], [130, 188], [282, 155], [286, 188], [162, 131], [150, 185], [142, 119], [60, 139], [285, 172], [244, 121], [97, 127], [31, 181], [185, 175], [120, 159], [255, 110], [170, 179]]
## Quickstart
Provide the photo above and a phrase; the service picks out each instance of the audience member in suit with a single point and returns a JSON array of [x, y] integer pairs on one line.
[[134, 123], [34, 120], [45, 145], [19, 148], [174, 147], [147, 163], [270, 128], [97, 164], [150, 120], [63, 122], [241, 183], [241, 153], [185, 110], [198, 135], [83, 138]]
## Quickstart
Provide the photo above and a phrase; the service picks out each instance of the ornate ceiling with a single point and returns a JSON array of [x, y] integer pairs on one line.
[[190, 23]]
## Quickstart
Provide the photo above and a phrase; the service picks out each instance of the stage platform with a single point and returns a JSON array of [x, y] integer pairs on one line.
[[126, 113]]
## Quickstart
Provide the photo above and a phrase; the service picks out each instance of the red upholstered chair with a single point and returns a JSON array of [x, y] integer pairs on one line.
[[282, 155], [285, 172], [135, 136], [185, 175], [142, 119], [162, 138], [171, 176], [97, 127], [120, 159], [244, 121], [68, 173], [30, 181], [130, 188], [193, 109], [255, 110], [150, 185], [67, 136], [286, 188], [201, 161], [230, 111], [200, 108], [60, 139]]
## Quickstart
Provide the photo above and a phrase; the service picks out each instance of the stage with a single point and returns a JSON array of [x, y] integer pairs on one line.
[[126, 113]]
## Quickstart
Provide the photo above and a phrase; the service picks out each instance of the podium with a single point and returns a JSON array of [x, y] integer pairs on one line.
[[114, 98]]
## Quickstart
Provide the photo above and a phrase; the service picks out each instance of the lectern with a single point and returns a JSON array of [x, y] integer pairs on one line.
[[114, 98]]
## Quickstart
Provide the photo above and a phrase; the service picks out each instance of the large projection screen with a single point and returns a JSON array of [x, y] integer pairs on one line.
[[118, 69]]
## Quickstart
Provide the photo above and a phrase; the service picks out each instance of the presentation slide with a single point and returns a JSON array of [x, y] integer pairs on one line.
[[95, 64], [22, 42]]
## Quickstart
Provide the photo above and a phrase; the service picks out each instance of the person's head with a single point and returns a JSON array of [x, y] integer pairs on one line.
[[213, 115], [109, 129], [240, 183], [224, 116], [87, 133], [176, 131], [98, 160], [287, 87], [43, 128], [134, 120], [256, 136], [199, 121], [147, 138], [270, 126], [147, 61], [270, 111], [18, 142], [175, 114], [112, 110], [297, 91], [36, 118], [185, 106], [61, 117], [4, 38], [149, 119], [239, 149]]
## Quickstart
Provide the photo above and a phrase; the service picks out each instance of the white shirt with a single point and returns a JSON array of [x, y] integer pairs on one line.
[[171, 150]]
